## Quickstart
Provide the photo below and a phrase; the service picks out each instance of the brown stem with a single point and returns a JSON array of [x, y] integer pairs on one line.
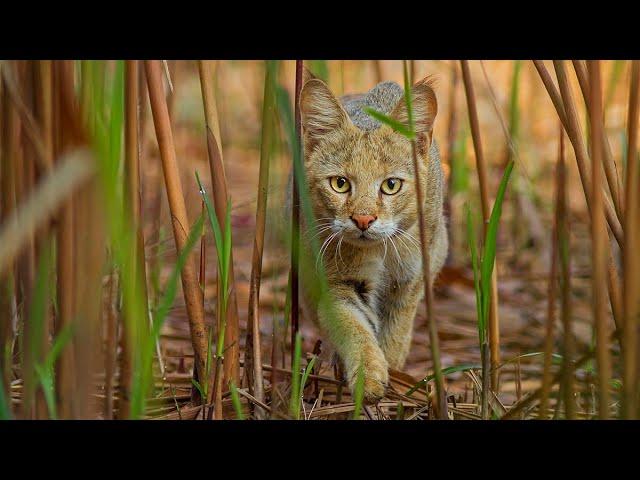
[[110, 345], [566, 110], [452, 131], [253, 319], [10, 140], [631, 255], [179, 219], [565, 285], [610, 168], [207, 69], [295, 215], [494, 322], [552, 289], [599, 241], [44, 119], [441, 399]]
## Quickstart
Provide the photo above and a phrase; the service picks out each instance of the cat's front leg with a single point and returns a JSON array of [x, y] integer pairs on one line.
[[352, 327], [397, 315]]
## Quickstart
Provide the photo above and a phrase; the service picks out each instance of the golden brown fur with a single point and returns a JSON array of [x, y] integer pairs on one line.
[[374, 276]]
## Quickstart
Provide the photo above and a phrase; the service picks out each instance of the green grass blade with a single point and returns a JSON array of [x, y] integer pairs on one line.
[[294, 405], [305, 375], [237, 406], [390, 122], [196, 384], [514, 111], [5, 409], [226, 258], [489, 250], [213, 221], [358, 393], [48, 388], [472, 239]]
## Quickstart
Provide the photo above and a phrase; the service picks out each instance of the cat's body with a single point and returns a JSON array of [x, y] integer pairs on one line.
[[367, 225]]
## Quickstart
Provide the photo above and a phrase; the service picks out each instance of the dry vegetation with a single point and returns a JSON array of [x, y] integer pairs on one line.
[[147, 269]]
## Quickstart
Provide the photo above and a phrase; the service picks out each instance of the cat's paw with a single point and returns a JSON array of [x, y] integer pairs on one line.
[[376, 378]]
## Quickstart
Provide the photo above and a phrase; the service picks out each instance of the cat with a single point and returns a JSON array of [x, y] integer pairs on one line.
[[360, 176]]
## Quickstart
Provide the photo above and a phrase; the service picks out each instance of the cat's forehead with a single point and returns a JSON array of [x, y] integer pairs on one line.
[[366, 152]]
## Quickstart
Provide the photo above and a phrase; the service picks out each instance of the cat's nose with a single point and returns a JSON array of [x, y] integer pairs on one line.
[[363, 221]]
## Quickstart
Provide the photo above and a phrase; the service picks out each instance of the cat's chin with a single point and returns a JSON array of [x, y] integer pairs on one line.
[[363, 241]]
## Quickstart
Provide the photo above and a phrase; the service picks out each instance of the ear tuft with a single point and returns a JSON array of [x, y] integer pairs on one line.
[[320, 111], [424, 106], [307, 75]]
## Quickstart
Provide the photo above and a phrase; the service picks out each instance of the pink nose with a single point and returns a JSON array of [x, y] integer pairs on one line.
[[363, 221]]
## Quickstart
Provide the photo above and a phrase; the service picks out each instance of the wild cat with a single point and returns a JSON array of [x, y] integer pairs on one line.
[[361, 181]]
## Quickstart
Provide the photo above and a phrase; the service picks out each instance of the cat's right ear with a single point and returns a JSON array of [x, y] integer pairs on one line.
[[320, 112]]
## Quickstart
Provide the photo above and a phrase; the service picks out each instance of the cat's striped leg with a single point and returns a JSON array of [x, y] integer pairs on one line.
[[397, 314], [352, 327]]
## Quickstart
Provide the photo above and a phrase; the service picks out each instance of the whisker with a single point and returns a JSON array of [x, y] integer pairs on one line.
[[393, 244], [324, 229], [324, 247], [384, 242], [340, 250]]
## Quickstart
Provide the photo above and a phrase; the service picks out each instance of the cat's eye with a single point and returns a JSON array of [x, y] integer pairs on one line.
[[340, 184], [391, 186]]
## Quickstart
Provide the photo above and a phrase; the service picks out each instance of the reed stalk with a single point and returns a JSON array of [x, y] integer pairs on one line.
[[565, 291], [111, 334], [452, 134], [599, 240], [613, 280], [67, 136], [89, 259], [295, 213], [179, 220], [565, 107], [10, 140], [441, 399], [207, 72], [610, 167], [253, 319], [44, 118], [552, 288], [132, 204], [631, 255], [483, 182]]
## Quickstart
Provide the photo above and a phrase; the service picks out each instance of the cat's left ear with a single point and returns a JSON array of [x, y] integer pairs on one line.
[[320, 111], [424, 108]]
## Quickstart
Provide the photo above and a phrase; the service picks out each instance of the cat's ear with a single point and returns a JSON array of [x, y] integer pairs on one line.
[[424, 108], [320, 111]]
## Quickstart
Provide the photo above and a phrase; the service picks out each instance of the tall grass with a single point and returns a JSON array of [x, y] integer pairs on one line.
[[599, 241], [631, 263], [253, 358], [483, 182], [207, 73], [483, 263], [222, 236], [190, 286]]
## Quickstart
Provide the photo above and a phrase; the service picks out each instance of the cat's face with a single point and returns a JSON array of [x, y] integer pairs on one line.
[[362, 183]]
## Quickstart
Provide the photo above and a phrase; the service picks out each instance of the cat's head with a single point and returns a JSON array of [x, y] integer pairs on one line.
[[361, 180]]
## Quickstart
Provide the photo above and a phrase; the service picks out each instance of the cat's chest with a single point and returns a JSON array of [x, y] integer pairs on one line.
[[384, 275]]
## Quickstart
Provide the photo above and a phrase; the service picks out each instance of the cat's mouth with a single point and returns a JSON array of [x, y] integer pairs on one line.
[[365, 237]]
